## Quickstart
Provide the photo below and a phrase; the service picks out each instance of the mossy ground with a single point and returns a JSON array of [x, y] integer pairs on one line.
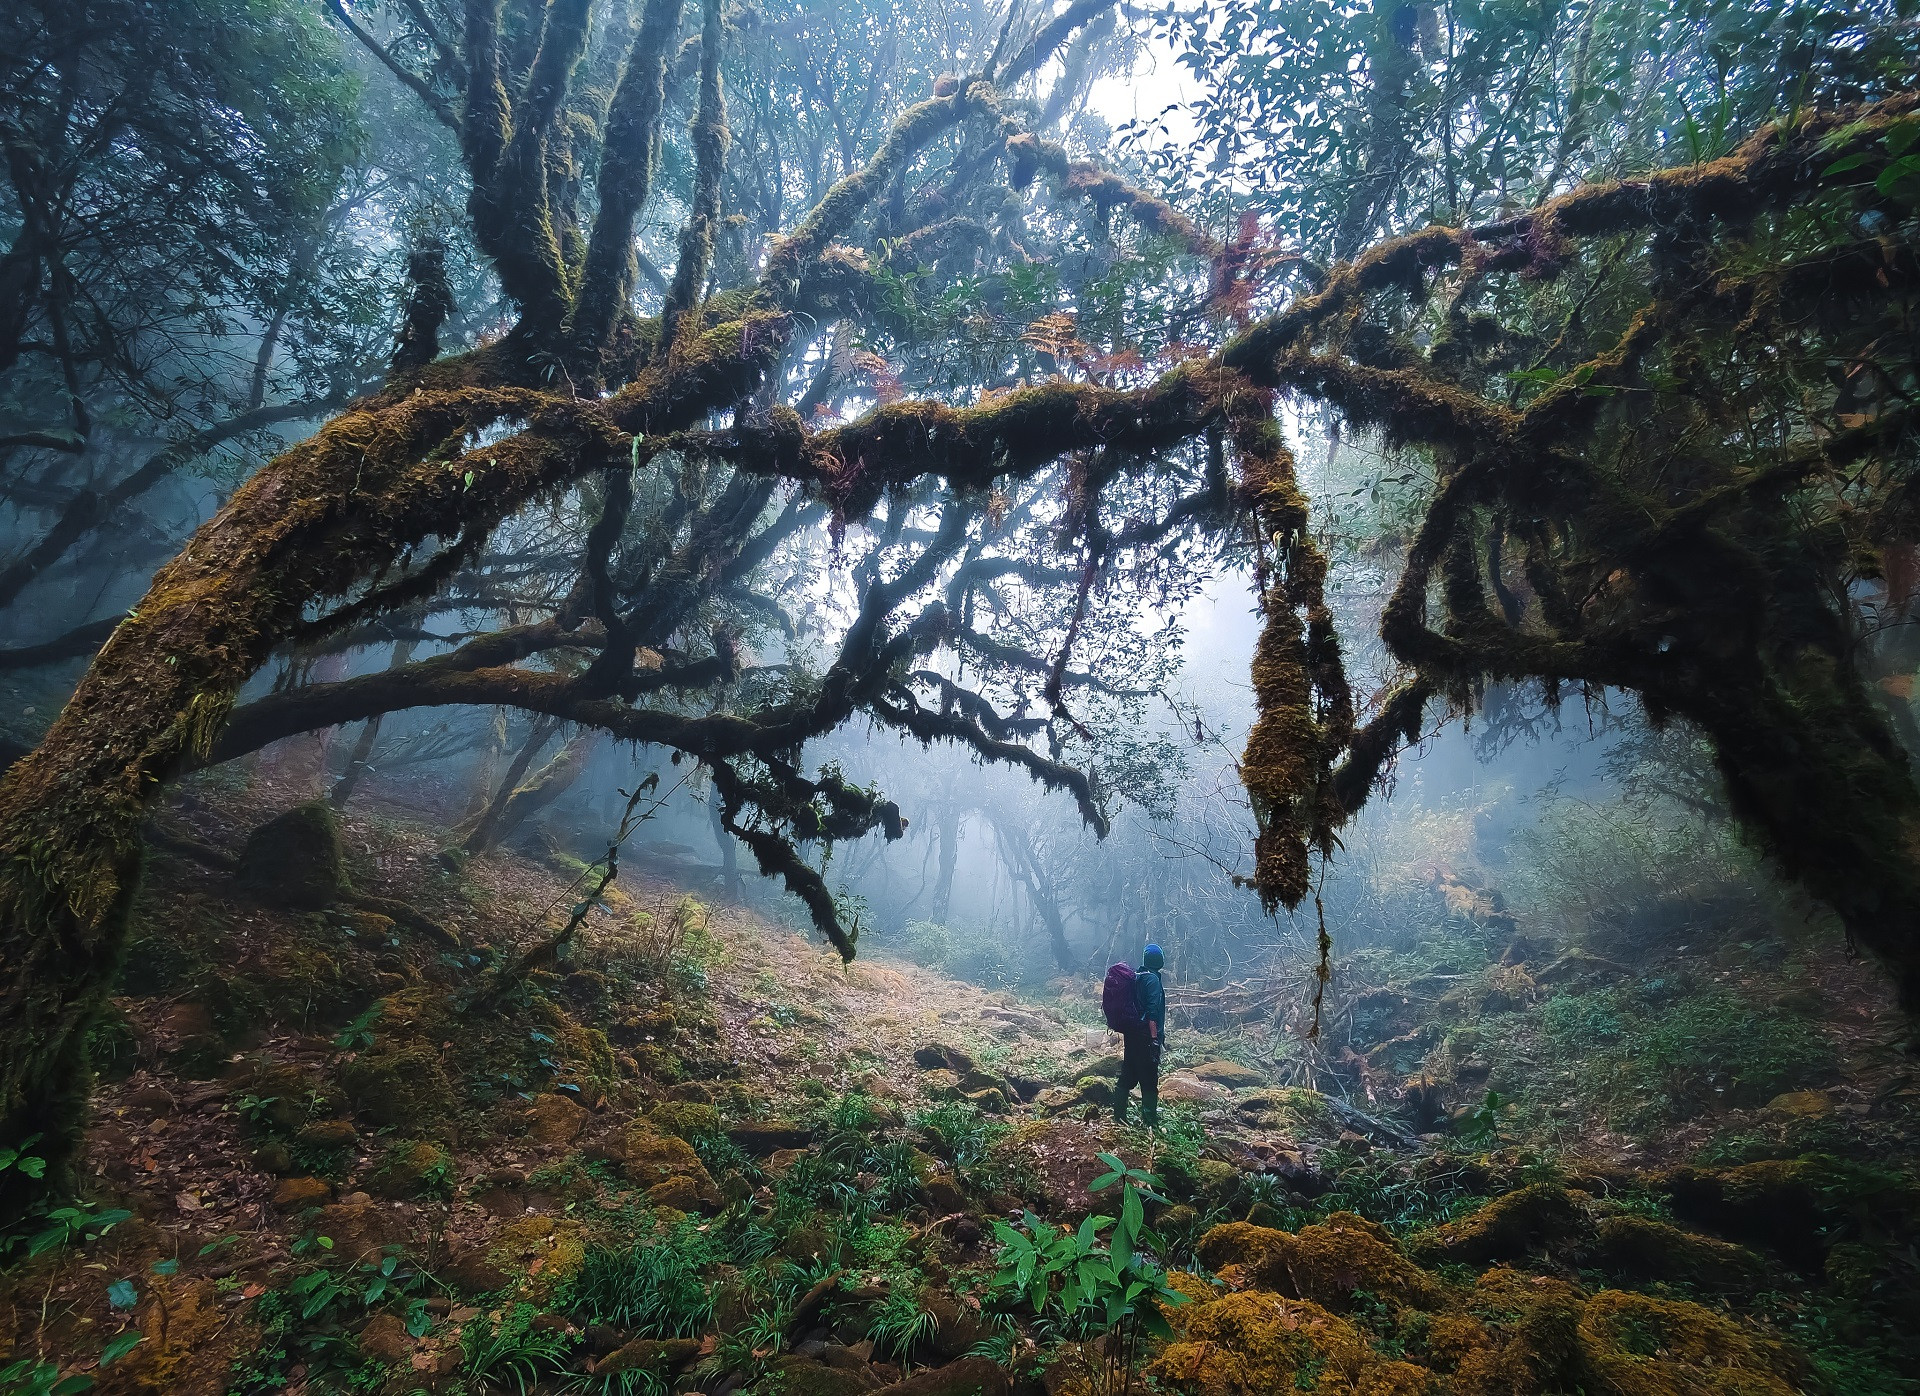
[[631, 1164]]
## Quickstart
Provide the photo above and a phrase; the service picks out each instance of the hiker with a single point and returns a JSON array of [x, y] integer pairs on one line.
[[1135, 1003]]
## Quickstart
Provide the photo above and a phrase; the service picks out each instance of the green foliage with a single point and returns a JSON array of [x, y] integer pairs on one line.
[[657, 1290], [1663, 1049], [512, 1354], [962, 1132], [900, 1322], [357, 1036], [1069, 1276]]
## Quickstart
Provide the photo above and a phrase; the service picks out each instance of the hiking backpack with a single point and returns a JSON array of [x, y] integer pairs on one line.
[[1119, 1000]]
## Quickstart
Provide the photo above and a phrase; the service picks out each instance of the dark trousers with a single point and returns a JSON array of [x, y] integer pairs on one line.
[[1139, 1066]]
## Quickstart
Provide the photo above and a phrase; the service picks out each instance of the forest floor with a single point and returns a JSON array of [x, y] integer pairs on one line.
[[346, 1139]]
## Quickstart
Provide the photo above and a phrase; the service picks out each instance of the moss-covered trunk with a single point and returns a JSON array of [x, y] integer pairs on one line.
[[1817, 780]]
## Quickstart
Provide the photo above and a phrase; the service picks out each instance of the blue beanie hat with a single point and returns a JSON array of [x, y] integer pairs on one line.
[[1153, 959]]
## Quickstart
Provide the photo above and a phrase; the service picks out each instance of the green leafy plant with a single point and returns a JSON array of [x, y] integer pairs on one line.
[[511, 1355], [21, 1161], [357, 1036], [1118, 1289], [657, 1290], [900, 1322]]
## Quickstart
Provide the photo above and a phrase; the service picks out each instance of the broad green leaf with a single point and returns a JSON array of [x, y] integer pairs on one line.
[[119, 1345]]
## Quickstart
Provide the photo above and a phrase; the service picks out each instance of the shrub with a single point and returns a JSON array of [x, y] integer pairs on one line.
[[657, 1291]]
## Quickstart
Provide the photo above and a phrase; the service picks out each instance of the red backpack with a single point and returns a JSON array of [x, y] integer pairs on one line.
[[1119, 1000]]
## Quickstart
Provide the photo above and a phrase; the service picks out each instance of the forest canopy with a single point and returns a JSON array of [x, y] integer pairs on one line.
[[716, 377]]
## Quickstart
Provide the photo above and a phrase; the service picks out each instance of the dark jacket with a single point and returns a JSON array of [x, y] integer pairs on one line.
[[1152, 997]]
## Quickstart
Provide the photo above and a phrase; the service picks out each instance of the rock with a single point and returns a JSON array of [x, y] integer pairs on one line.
[[385, 1338], [328, 1134], [1692, 1349], [942, 1084], [985, 1099], [1108, 1065], [1232, 1075], [1248, 1256], [653, 1158], [360, 1229], [1092, 1090], [1507, 1228], [943, 1196], [555, 1120], [296, 858], [1255, 1343], [1216, 1181], [470, 1272], [1056, 1098], [411, 1170], [399, 1088], [1800, 1105], [782, 1160], [955, 1328], [295, 1194], [1346, 1253], [685, 1118], [970, 1376], [367, 925], [273, 1157], [1182, 1089], [656, 1355], [683, 1194], [1640, 1248], [803, 1374], [938, 1056], [763, 1138]]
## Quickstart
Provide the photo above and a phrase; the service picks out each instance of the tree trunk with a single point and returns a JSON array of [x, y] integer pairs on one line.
[[369, 734], [949, 833], [478, 834], [549, 783]]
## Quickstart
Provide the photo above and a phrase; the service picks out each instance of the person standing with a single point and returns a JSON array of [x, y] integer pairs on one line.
[[1145, 1038]]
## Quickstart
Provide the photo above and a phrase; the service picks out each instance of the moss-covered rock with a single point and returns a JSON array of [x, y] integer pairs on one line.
[[554, 1120], [1257, 1343], [1505, 1229], [685, 1119], [296, 858], [398, 1087], [1640, 1248], [1636, 1345], [656, 1355], [1246, 1256], [1332, 1261], [417, 1169], [298, 1194]]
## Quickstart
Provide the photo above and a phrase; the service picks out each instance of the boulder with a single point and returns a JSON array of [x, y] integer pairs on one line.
[[805, 1375], [328, 1134], [763, 1138], [297, 1194], [555, 1120], [1247, 1256], [1505, 1229], [1640, 1249], [970, 1376], [687, 1119], [683, 1194], [1346, 1253], [656, 1355], [940, 1056], [1232, 1075], [399, 1088], [956, 1329], [296, 858], [1182, 1089], [410, 1170], [471, 1272], [385, 1338]]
